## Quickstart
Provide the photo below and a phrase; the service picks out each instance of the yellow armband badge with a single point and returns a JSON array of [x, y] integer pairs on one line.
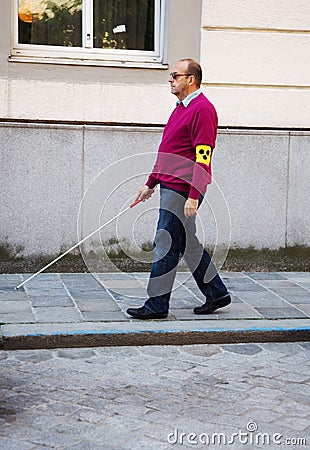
[[203, 154]]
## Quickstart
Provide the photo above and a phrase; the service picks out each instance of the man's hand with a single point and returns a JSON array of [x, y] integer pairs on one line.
[[144, 193], [190, 207]]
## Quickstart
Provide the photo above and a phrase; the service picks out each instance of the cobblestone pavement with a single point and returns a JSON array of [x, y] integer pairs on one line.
[[166, 397]]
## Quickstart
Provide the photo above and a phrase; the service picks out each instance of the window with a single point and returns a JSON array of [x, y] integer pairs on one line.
[[89, 31]]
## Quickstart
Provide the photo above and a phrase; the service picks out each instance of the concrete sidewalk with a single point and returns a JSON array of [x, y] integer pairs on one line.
[[81, 309]]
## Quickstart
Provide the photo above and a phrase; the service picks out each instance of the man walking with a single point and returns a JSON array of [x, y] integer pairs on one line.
[[183, 171]]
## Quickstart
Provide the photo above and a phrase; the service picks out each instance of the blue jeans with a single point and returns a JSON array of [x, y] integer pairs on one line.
[[176, 236]]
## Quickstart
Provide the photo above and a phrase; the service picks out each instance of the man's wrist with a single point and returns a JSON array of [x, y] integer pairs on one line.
[[193, 201]]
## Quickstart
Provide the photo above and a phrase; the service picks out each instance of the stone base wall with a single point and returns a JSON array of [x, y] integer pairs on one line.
[[59, 182]]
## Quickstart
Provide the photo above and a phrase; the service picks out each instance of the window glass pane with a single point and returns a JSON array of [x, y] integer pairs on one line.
[[50, 22], [124, 24]]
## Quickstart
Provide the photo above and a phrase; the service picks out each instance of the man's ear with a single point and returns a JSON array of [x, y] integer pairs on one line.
[[192, 80]]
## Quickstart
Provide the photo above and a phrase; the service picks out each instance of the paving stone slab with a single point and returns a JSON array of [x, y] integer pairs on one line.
[[107, 316], [188, 314], [25, 317], [281, 313], [12, 295], [265, 275], [57, 314], [239, 310], [49, 301], [12, 307], [305, 308], [246, 287], [97, 305], [290, 291], [278, 283], [267, 300], [297, 298]]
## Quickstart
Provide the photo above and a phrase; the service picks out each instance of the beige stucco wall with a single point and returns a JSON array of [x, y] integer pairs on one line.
[[255, 56]]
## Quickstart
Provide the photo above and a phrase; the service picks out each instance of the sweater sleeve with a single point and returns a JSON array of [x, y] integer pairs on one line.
[[152, 181], [203, 136]]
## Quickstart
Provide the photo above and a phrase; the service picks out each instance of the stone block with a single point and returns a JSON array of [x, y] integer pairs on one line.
[[251, 170], [298, 224], [41, 187]]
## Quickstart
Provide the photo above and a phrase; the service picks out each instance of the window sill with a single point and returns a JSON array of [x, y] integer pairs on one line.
[[88, 62]]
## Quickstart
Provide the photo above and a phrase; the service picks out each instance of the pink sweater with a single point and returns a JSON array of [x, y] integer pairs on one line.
[[176, 165]]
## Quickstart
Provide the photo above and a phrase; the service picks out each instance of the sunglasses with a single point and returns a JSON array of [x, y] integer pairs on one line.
[[175, 75]]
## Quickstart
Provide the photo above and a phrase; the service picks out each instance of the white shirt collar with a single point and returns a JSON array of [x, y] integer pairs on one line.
[[186, 101]]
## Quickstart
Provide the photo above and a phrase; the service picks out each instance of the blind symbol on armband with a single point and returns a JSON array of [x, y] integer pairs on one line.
[[203, 154]]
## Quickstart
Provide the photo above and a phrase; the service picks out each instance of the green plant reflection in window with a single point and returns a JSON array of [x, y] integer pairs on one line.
[[50, 22]]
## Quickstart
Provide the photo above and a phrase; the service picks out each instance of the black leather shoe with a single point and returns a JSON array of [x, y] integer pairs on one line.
[[145, 314], [210, 306]]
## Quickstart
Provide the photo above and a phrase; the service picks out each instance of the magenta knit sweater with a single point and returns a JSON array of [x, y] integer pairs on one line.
[[176, 165]]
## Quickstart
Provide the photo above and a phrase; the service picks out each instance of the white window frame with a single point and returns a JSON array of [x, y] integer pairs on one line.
[[88, 55]]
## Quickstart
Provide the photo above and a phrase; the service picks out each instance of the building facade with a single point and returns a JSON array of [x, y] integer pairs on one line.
[[84, 98]]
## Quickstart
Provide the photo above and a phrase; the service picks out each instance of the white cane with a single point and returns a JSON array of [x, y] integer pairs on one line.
[[76, 245]]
